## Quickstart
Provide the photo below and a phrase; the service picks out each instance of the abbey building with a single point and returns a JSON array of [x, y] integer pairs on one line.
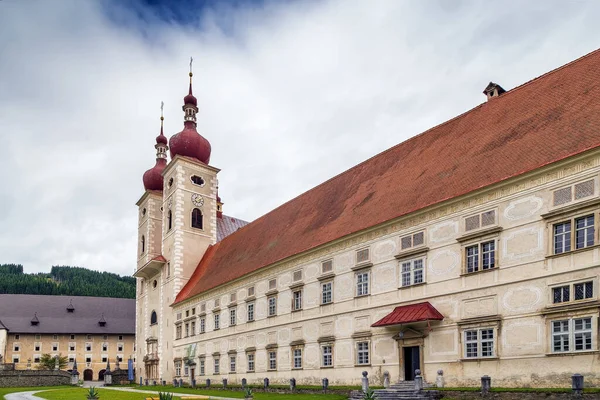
[[472, 248]]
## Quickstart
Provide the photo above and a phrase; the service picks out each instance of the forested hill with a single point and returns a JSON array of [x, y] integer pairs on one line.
[[70, 281]]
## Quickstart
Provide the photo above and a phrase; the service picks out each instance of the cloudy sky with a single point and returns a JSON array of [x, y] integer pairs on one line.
[[290, 93]]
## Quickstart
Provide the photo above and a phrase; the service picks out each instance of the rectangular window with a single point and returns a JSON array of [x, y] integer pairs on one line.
[[232, 316], [187, 329], [251, 291], [88, 347], [55, 337], [217, 366], [362, 284], [583, 234], [273, 284], [362, 256], [272, 360], [572, 335], [412, 272], [479, 343], [410, 241], [202, 366], [217, 318], [193, 328], [326, 266], [232, 297], [327, 355], [15, 359], [16, 347], [17, 337], [297, 276], [297, 300], [120, 347], [178, 332], [297, 358], [486, 218], [232, 360], [37, 347], [72, 337], [217, 302], [202, 325], [250, 312], [104, 358], [104, 346], [177, 368], [573, 292], [186, 370], [326, 292], [272, 306], [36, 359], [250, 362], [120, 337], [481, 256], [362, 353], [574, 192]]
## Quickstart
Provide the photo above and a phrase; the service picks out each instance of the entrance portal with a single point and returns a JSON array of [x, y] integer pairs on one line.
[[412, 361], [88, 375], [101, 374]]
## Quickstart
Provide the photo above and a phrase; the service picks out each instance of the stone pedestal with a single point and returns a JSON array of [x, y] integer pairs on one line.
[[418, 380], [486, 384], [365, 382], [577, 384], [108, 378], [386, 379], [74, 377], [439, 380]]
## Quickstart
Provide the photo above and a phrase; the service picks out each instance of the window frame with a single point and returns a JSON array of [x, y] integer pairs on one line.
[[194, 219], [251, 362], [216, 321], [217, 365], [572, 233], [297, 354], [479, 341], [572, 291], [269, 353], [571, 333], [324, 364], [272, 306], [250, 312], [232, 316], [358, 284], [411, 272], [325, 301], [297, 301], [359, 352], [232, 364], [479, 243]]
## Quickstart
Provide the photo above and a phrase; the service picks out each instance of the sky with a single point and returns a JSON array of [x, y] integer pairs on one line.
[[291, 93]]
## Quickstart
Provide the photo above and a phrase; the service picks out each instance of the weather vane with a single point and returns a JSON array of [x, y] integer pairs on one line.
[[162, 106], [191, 61]]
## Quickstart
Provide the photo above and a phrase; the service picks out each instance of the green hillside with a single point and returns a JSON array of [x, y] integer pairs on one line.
[[63, 280]]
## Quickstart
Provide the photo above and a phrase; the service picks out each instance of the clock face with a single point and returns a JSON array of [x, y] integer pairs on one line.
[[197, 200]]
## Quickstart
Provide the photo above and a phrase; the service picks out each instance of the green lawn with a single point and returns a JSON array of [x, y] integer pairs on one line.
[[104, 394]]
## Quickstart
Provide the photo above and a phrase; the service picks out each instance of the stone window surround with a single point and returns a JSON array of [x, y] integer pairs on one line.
[[477, 238], [487, 322], [563, 311], [570, 213], [571, 284], [412, 255], [322, 345], [331, 290]]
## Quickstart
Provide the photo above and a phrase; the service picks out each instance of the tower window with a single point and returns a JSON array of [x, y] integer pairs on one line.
[[170, 182], [169, 220], [143, 243], [153, 318], [197, 218], [197, 180]]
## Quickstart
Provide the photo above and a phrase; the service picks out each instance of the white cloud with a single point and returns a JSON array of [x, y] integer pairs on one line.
[[290, 94]]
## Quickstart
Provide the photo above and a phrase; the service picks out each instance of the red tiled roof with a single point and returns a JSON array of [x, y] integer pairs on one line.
[[411, 313], [542, 121]]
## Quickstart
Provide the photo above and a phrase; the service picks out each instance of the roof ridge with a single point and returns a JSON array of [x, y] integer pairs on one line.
[[414, 138]]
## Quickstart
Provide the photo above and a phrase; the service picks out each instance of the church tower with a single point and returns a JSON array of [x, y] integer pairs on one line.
[[150, 263]]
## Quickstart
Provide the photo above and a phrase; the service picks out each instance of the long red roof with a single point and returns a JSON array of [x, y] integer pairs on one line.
[[540, 122]]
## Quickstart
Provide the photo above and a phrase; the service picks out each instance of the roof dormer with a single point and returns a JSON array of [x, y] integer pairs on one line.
[[493, 90]]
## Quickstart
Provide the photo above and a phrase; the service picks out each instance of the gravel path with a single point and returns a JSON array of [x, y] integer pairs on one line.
[[22, 396]]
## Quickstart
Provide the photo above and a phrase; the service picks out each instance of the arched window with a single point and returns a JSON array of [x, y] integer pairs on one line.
[[153, 318], [197, 218], [169, 220], [197, 180], [143, 244]]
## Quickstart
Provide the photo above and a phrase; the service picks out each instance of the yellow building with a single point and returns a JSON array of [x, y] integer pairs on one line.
[[91, 330], [472, 248]]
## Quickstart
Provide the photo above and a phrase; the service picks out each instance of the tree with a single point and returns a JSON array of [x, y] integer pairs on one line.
[[48, 362]]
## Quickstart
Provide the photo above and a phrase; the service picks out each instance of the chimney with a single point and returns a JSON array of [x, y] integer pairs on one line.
[[493, 90]]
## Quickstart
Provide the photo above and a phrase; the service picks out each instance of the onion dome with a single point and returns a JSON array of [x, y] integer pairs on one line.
[[189, 142], [153, 179]]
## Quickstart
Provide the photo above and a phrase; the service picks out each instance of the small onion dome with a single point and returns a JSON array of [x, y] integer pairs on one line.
[[190, 143], [153, 179], [161, 139], [190, 99]]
